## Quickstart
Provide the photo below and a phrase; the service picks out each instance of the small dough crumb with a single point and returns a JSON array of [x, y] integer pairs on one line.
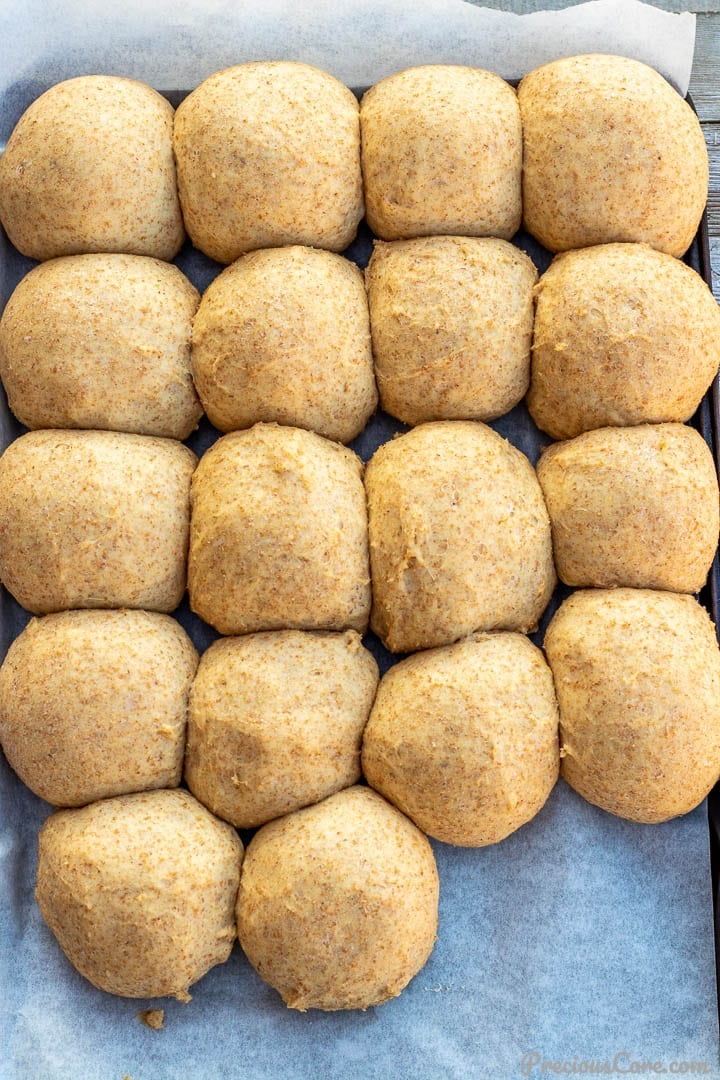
[[152, 1018]]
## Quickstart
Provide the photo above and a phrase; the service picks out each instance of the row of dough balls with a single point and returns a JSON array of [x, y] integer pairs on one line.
[[463, 739], [620, 334], [269, 154], [286, 530]]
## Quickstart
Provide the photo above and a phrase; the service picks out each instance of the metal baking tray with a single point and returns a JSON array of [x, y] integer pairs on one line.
[[516, 969]]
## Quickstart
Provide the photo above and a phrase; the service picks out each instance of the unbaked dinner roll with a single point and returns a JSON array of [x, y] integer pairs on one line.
[[94, 703], [464, 739], [611, 152], [633, 506], [268, 154], [90, 167], [278, 537], [101, 341], [276, 721], [459, 536], [140, 891], [637, 675], [452, 325], [442, 153], [284, 335], [94, 519], [623, 335], [338, 903]]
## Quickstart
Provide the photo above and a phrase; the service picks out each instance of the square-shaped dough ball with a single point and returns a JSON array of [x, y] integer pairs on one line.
[[442, 153], [611, 152], [633, 506], [637, 675], [268, 154], [94, 704], [278, 537], [90, 167], [451, 320], [623, 335], [276, 720], [459, 536], [94, 519], [101, 341], [284, 335]]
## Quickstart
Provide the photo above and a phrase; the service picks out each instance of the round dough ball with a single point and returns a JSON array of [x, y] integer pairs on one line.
[[623, 335], [611, 152], [94, 519], [464, 739], [94, 703], [452, 325], [442, 153], [633, 506], [278, 537], [284, 335], [338, 903], [101, 341], [268, 154], [276, 722], [90, 167], [637, 675], [459, 537], [140, 891]]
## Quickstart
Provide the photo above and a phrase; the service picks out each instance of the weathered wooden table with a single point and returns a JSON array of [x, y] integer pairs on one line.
[[704, 88]]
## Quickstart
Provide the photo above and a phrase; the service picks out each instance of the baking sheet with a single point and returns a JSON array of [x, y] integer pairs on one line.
[[581, 942]]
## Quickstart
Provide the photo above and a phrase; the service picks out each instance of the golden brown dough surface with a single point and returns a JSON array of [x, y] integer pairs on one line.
[[94, 519], [623, 335], [94, 704], [338, 903], [637, 675], [459, 536], [464, 739], [140, 891], [101, 341], [610, 152], [442, 153], [284, 335], [633, 506], [90, 167], [268, 154], [452, 322], [276, 721], [278, 537]]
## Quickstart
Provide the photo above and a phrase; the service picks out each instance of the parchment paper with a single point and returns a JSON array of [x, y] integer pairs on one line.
[[582, 944]]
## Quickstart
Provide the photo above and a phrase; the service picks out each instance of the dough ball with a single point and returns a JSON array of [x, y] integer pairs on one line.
[[284, 335], [278, 537], [442, 153], [452, 325], [459, 537], [623, 335], [611, 152], [94, 703], [268, 154], [464, 739], [140, 891], [101, 341], [637, 675], [90, 167], [633, 506], [94, 519], [338, 903], [276, 722]]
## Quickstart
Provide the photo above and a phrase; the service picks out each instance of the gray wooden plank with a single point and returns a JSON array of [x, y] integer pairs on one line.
[[521, 7], [712, 139], [715, 260], [705, 81]]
